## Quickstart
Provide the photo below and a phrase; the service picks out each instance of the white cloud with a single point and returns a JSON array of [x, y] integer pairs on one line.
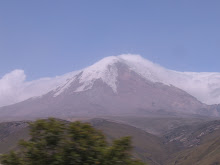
[[11, 86], [14, 87]]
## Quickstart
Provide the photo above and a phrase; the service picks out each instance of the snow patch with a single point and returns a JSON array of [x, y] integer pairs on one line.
[[106, 70], [62, 88]]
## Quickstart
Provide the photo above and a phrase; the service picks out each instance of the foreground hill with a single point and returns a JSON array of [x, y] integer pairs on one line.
[[147, 147], [198, 144], [194, 143], [11, 133], [207, 153], [160, 125]]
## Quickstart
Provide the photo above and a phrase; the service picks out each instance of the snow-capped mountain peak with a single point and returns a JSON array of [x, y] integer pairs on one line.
[[107, 71], [104, 70], [204, 86], [125, 84]]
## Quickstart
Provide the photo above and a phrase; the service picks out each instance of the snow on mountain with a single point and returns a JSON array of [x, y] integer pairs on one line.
[[104, 70], [204, 86]]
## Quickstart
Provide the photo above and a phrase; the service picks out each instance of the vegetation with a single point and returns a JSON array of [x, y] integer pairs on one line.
[[54, 142]]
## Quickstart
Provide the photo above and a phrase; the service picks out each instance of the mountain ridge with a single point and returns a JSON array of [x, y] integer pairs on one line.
[[204, 86]]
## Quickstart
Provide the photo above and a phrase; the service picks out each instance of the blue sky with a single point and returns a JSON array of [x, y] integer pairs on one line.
[[49, 38]]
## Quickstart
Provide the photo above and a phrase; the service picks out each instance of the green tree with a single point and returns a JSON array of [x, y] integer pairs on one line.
[[55, 142]]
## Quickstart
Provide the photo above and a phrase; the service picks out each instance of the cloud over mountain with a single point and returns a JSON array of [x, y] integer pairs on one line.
[[14, 87]]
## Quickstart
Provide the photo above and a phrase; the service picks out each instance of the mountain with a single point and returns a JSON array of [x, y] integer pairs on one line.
[[112, 86], [204, 86]]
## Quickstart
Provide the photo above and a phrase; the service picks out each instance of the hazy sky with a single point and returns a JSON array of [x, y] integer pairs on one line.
[[52, 37]]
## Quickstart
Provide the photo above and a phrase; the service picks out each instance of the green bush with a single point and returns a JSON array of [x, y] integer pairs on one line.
[[54, 142]]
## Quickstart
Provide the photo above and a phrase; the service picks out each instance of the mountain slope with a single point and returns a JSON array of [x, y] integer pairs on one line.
[[11, 133], [147, 147], [199, 145], [160, 125]]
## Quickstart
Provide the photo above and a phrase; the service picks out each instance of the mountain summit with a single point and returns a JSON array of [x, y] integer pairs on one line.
[[107, 71], [121, 85]]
